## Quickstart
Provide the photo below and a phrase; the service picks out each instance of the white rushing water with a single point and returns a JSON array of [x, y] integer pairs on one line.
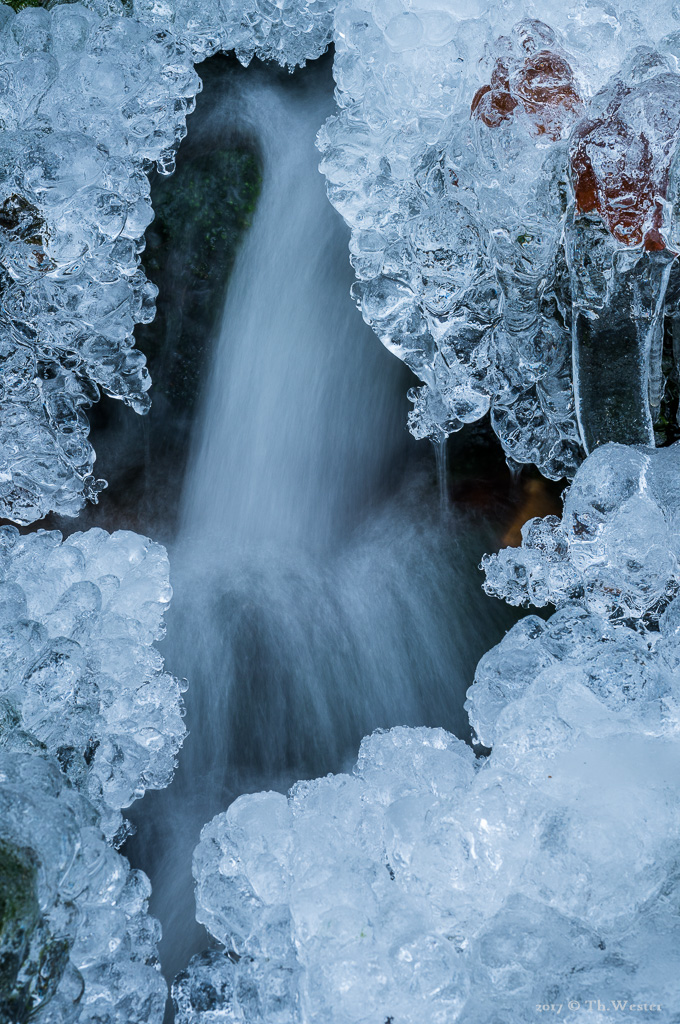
[[291, 443], [318, 593]]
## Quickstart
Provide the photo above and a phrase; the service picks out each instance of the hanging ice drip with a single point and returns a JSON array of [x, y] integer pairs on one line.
[[620, 250]]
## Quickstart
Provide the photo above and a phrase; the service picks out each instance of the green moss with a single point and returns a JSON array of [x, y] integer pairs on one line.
[[19, 918], [201, 213], [32, 960], [18, 5]]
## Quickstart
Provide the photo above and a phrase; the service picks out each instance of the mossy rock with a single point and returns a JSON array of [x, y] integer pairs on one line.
[[201, 214], [32, 961], [18, 5], [19, 918]]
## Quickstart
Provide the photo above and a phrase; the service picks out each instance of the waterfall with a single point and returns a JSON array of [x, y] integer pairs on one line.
[[319, 592]]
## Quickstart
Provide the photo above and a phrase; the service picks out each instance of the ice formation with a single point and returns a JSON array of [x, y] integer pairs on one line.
[[469, 138], [80, 677], [290, 33], [616, 548], [428, 885], [88, 102], [76, 943], [92, 96], [431, 884]]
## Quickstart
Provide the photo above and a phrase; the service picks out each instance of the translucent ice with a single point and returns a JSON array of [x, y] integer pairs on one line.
[[616, 548], [76, 943], [455, 161], [86, 104], [80, 676], [618, 251], [91, 96], [290, 33], [431, 885]]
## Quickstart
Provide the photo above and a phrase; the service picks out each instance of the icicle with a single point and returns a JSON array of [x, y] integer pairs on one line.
[[442, 473], [617, 333]]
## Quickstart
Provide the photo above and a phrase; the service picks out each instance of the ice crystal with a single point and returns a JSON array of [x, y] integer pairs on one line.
[[76, 943], [616, 548], [80, 674], [466, 139]]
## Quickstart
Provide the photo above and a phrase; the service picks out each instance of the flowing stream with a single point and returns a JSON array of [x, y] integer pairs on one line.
[[320, 592]]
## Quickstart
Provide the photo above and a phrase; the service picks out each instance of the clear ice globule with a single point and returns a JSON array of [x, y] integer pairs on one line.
[[93, 95], [77, 945], [456, 158], [616, 548], [80, 677]]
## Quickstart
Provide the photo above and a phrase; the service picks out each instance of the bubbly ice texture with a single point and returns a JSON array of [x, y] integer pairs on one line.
[[431, 885], [617, 547], [452, 163], [80, 677], [87, 104], [290, 32], [76, 943], [92, 96]]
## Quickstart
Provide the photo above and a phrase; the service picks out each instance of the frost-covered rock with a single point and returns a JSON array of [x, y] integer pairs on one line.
[[450, 160], [91, 96], [76, 943], [430, 885], [80, 675], [616, 548]]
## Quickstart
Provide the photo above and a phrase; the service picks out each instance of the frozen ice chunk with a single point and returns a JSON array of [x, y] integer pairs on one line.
[[88, 102], [272, 884], [76, 943], [619, 665], [433, 885], [79, 672], [616, 548], [458, 149], [290, 33], [91, 96]]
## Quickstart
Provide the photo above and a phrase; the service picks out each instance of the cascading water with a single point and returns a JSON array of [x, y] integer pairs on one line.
[[319, 595]]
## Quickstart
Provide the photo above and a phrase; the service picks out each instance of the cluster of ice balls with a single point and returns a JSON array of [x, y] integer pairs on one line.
[[449, 161], [87, 104], [290, 32], [76, 943], [432, 885], [80, 677], [88, 721], [91, 97], [616, 548]]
